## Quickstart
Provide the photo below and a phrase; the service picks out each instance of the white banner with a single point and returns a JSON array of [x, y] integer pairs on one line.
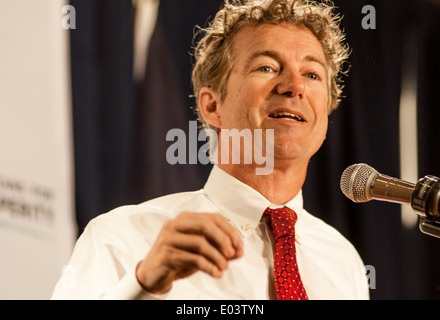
[[37, 228]]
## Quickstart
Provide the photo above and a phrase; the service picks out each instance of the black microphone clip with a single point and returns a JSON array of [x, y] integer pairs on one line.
[[425, 200]]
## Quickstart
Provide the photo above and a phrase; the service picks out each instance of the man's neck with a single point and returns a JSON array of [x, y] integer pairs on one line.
[[282, 185]]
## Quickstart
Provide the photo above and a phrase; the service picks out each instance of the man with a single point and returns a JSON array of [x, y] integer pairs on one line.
[[261, 65]]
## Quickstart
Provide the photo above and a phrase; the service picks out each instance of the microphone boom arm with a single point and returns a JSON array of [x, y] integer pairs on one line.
[[431, 228]]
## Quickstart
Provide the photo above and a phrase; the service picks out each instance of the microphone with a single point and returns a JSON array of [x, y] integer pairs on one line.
[[362, 183]]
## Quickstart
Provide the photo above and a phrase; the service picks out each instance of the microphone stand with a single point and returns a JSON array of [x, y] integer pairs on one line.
[[425, 200]]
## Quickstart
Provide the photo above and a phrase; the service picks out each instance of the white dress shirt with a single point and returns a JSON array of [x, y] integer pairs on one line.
[[104, 259]]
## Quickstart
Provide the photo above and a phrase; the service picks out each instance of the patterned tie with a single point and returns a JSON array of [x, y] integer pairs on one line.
[[288, 282]]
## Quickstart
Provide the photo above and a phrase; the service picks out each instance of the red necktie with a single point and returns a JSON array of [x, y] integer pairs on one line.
[[288, 282]]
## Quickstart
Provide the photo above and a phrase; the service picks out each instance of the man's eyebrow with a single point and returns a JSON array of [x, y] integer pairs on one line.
[[275, 55], [269, 53], [314, 58]]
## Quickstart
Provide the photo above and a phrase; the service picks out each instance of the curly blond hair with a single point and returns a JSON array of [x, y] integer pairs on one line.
[[214, 56]]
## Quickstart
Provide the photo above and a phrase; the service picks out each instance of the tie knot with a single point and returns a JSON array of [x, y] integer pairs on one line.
[[282, 221]]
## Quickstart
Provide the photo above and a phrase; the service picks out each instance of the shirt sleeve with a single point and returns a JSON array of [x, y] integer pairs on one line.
[[128, 288], [97, 271]]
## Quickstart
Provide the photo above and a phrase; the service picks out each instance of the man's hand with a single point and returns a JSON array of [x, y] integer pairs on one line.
[[186, 244]]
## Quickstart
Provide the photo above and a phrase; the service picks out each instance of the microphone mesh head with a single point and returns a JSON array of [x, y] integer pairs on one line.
[[355, 182]]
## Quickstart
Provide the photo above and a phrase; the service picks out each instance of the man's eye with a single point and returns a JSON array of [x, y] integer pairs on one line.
[[266, 69], [312, 76]]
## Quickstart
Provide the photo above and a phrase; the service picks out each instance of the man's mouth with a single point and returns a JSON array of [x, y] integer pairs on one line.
[[286, 116]]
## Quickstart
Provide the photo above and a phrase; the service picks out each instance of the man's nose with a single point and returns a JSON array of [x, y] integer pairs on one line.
[[292, 84]]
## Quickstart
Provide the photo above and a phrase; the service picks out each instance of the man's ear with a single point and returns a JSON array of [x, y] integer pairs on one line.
[[208, 103]]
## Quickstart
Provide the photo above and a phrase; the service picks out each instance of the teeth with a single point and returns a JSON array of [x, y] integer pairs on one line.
[[287, 115]]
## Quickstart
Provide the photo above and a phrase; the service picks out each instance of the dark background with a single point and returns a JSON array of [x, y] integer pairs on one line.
[[120, 126]]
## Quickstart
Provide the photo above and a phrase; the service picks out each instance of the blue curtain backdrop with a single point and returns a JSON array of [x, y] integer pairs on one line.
[[120, 126]]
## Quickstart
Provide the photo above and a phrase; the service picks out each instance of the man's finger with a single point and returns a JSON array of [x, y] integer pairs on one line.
[[215, 228], [198, 244]]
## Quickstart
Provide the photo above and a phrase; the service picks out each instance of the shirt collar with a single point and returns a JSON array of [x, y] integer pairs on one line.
[[242, 205]]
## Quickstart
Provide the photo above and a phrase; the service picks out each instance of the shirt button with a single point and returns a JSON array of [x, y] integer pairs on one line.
[[247, 227]]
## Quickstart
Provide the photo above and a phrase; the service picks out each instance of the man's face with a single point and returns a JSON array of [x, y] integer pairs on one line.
[[278, 81]]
